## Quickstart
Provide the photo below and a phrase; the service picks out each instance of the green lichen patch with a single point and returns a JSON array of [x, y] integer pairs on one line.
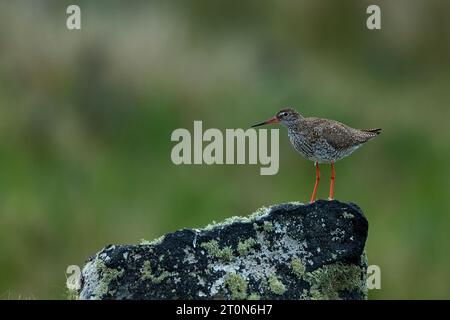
[[226, 253], [147, 273], [268, 226], [329, 281], [254, 296], [226, 222], [153, 242], [298, 268], [237, 285], [259, 213], [315, 294], [107, 275], [275, 285], [244, 247]]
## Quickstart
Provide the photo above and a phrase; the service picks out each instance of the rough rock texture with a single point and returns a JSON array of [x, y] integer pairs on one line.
[[288, 251]]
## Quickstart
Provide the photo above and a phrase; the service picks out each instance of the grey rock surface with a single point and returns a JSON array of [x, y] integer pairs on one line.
[[288, 251]]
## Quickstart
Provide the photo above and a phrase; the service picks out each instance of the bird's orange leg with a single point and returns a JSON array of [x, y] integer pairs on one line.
[[313, 197], [332, 182]]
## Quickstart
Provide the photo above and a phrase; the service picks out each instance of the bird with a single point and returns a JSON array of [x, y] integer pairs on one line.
[[320, 140]]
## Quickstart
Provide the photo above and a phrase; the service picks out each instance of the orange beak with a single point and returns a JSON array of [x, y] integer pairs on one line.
[[271, 120]]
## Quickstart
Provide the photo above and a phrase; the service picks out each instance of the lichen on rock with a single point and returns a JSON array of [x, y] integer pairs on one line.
[[275, 285], [225, 253], [288, 251], [244, 247], [147, 273], [103, 276], [237, 285], [330, 281], [298, 268]]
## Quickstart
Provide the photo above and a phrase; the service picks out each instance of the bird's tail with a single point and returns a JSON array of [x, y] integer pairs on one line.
[[376, 131], [368, 134]]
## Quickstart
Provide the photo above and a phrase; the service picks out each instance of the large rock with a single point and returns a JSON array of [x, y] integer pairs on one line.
[[288, 251]]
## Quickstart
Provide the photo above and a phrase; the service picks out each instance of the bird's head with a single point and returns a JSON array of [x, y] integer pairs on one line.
[[286, 117]]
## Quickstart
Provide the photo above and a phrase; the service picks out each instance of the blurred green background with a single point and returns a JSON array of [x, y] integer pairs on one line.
[[86, 118]]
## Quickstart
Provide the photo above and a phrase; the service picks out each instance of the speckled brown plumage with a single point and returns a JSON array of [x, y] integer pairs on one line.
[[326, 141], [321, 140]]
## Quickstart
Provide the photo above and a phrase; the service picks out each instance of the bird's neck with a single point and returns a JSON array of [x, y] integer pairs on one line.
[[294, 126]]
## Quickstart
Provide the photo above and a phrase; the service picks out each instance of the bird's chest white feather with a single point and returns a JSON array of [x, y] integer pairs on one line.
[[317, 150]]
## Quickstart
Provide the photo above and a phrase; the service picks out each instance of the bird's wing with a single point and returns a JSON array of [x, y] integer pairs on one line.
[[339, 135]]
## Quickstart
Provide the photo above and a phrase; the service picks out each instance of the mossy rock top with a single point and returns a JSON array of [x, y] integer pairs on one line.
[[287, 251]]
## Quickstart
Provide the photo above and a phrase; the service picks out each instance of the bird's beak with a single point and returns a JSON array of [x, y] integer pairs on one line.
[[271, 120]]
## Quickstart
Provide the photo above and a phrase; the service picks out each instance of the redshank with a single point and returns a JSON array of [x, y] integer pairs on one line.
[[321, 140]]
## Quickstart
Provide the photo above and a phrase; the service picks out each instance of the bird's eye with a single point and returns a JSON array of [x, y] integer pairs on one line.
[[284, 114]]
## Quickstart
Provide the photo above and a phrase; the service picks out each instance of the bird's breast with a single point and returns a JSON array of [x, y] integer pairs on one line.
[[316, 149], [302, 144]]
